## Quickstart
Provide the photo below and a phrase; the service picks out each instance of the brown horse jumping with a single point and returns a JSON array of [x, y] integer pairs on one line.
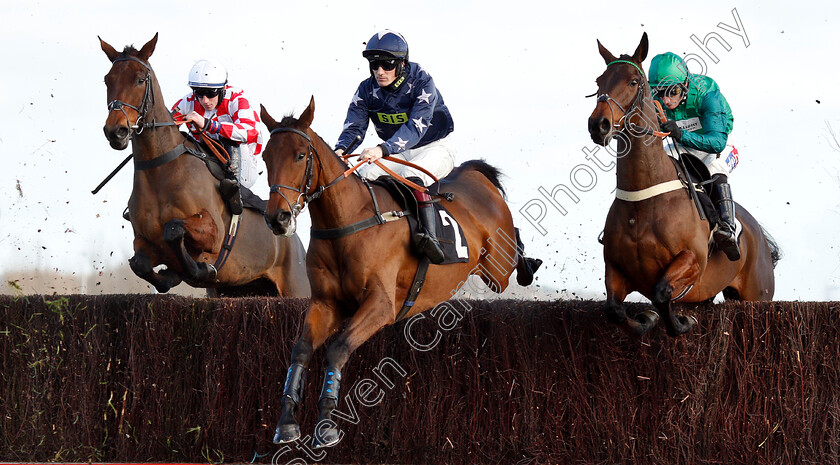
[[179, 218], [361, 280], [657, 244]]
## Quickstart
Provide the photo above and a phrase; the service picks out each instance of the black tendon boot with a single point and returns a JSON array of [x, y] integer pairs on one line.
[[425, 239], [287, 428], [725, 235]]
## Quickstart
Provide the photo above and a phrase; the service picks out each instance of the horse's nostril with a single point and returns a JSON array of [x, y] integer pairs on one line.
[[284, 217], [604, 126], [121, 132]]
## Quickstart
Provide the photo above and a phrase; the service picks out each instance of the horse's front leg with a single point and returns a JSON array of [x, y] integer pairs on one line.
[[617, 290], [370, 318], [141, 264], [200, 233], [321, 321], [679, 277]]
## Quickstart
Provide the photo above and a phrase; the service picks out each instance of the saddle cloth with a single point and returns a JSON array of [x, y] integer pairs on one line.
[[449, 233]]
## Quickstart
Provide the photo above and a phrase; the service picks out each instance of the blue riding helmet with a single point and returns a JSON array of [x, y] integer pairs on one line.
[[386, 45]]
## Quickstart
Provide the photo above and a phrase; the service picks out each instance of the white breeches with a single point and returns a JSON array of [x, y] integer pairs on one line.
[[722, 163], [436, 157], [244, 164]]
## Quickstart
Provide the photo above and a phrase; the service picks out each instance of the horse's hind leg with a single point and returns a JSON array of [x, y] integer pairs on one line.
[[614, 309], [369, 319], [321, 321], [525, 266], [681, 274], [141, 265]]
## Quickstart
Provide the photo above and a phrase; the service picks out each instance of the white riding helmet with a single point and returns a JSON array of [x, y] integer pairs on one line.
[[208, 74]]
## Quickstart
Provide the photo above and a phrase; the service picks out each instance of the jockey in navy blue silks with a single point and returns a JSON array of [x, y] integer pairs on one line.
[[410, 117]]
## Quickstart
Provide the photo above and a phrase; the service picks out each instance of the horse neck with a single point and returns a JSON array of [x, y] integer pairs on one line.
[[152, 142], [645, 163], [343, 203]]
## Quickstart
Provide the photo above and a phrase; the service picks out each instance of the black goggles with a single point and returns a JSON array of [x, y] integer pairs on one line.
[[670, 91], [387, 65], [206, 92]]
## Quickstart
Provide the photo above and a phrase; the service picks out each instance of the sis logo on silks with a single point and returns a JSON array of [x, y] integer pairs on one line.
[[732, 159]]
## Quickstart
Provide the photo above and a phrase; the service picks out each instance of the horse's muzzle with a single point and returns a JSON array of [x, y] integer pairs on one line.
[[118, 136], [281, 222], [599, 129]]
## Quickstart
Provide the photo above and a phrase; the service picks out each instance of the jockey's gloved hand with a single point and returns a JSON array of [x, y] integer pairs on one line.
[[671, 126]]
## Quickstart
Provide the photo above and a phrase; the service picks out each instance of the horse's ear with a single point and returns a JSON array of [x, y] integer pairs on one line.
[[267, 119], [147, 49], [605, 54], [641, 51], [109, 51], [308, 114]]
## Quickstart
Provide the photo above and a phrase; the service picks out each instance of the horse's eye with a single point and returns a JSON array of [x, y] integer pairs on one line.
[[634, 82], [300, 156], [141, 81]]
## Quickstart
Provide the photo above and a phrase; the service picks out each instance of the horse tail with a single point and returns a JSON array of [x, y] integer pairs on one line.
[[489, 171], [775, 250]]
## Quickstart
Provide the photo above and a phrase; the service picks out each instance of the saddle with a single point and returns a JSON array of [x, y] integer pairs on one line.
[[449, 234]]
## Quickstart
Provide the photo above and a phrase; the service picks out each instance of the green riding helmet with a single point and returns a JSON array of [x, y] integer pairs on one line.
[[666, 70]]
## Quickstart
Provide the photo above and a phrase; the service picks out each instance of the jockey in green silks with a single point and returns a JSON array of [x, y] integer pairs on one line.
[[699, 120]]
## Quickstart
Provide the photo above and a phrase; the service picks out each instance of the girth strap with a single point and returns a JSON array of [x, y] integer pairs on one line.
[[416, 286], [227, 245]]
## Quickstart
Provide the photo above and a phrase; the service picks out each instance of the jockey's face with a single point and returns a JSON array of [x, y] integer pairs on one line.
[[384, 78], [672, 103], [209, 103], [672, 97]]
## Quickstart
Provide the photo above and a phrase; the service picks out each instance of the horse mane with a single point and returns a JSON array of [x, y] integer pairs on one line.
[[129, 50], [489, 171], [289, 121]]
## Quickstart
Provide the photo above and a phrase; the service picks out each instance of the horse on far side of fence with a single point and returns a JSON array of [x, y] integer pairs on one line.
[[654, 239], [178, 215]]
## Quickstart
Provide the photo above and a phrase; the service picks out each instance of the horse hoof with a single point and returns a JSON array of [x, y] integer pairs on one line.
[[162, 288], [325, 437], [689, 321], [649, 318], [286, 433], [526, 269]]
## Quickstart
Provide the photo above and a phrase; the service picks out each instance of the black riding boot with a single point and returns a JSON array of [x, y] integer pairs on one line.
[[425, 239], [229, 187], [725, 235]]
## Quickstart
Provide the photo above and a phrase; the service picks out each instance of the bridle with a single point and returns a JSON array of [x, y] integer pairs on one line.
[[639, 100], [303, 197], [143, 108]]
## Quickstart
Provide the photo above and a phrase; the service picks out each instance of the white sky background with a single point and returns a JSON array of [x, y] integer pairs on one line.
[[513, 75]]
